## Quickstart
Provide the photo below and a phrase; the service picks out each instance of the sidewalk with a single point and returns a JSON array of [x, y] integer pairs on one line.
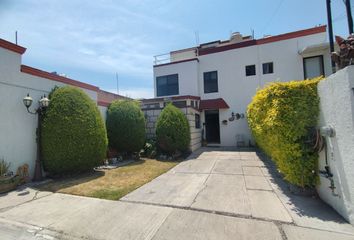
[[215, 195]]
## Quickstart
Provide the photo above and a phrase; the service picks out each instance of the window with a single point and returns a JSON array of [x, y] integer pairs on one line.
[[197, 120], [180, 104], [167, 85], [210, 82], [268, 68], [151, 105], [250, 70], [313, 67]]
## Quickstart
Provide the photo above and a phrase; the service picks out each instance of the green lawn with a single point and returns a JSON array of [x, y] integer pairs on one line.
[[111, 184]]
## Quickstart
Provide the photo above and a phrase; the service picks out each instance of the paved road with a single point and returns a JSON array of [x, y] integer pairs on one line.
[[214, 195]]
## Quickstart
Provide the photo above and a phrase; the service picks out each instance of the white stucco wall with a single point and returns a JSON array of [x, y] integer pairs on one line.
[[234, 87], [181, 55], [187, 75], [337, 110], [17, 126], [103, 111]]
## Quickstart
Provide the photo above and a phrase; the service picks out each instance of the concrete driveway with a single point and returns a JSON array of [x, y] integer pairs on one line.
[[217, 194]]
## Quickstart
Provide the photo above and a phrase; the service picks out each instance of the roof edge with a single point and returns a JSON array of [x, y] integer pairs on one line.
[[103, 103], [12, 47], [51, 76], [290, 35], [149, 100], [251, 42]]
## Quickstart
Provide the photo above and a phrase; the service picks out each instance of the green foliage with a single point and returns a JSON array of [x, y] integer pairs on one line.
[[4, 167], [126, 126], [280, 117], [172, 130], [52, 91], [74, 137], [150, 149]]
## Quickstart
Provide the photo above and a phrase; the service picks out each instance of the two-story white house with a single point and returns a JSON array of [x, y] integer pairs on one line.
[[218, 79]]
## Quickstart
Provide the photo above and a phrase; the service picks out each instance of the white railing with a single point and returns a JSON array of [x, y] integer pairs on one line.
[[162, 58]]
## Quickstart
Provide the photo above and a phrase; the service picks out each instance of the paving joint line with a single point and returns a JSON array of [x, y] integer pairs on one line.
[[220, 213], [38, 231], [204, 184], [281, 231], [31, 200]]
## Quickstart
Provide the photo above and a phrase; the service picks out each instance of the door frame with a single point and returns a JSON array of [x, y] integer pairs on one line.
[[212, 112]]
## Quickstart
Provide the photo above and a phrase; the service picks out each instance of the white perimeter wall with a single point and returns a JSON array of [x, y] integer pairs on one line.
[[234, 87], [17, 126], [337, 110]]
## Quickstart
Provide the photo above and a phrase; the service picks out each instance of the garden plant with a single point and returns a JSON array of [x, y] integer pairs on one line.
[[172, 131], [281, 117], [125, 126], [74, 137]]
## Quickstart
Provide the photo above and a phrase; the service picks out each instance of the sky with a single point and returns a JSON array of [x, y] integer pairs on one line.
[[91, 41]]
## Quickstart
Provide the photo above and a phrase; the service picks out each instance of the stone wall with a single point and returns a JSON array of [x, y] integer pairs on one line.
[[151, 116]]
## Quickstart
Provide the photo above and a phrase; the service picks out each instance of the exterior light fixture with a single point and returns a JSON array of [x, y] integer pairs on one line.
[[27, 101], [43, 104]]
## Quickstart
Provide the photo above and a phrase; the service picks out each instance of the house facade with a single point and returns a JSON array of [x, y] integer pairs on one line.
[[223, 76], [17, 126]]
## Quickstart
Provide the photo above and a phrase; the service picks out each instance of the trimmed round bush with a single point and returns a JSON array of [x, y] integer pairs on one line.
[[172, 130], [74, 137], [126, 126]]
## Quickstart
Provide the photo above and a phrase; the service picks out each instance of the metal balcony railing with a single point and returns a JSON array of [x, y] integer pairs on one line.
[[162, 58]]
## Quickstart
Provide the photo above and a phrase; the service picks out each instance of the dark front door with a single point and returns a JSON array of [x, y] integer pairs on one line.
[[212, 126]]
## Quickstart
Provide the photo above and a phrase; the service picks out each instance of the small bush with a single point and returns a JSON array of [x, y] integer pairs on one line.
[[280, 117], [126, 126], [172, 130], [150, 149], [74, 137], [4, 167]]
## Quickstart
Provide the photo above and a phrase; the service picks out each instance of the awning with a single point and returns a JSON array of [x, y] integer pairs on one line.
[[210, 104], [314, 48]]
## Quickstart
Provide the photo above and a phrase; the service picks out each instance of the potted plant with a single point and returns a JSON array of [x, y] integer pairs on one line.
[[8, 181]]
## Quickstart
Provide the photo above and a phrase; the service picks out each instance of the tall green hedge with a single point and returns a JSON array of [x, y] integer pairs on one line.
[[74, 136], [172, 130], [126, 126], [280, 116]]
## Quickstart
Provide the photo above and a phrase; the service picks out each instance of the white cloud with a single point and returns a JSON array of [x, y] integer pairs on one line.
[[100, 36]]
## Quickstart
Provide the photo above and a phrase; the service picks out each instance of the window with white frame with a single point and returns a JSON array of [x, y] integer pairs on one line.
[[313, 67], [167, 85], [268, 68], [211, 82]]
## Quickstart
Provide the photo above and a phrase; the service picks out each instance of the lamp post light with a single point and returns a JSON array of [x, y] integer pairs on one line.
[[43, 104]]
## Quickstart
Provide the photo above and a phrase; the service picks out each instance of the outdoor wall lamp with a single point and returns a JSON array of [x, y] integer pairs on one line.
[[43, 104]]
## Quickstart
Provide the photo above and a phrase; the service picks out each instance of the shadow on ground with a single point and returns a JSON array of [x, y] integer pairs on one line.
[[202, 150], [303, 205], [55, 185]]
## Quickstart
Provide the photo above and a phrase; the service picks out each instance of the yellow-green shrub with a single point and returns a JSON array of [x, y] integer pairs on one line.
[[280, 116]]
